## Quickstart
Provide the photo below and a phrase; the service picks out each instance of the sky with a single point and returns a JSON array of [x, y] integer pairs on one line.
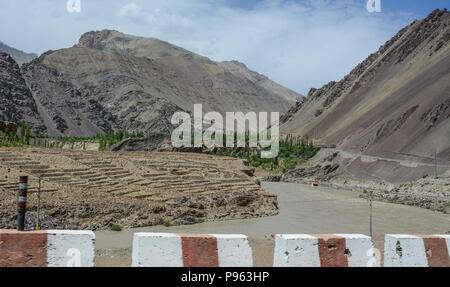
[[299, 44]]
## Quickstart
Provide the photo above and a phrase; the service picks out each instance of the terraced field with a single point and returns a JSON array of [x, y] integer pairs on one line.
[[86, 189]]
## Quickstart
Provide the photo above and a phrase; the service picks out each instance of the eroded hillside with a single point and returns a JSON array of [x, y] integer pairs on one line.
[[395, 104], [16, 102]]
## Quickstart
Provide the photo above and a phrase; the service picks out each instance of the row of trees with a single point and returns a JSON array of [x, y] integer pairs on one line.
[[25, 137], [105, 140], [291, 150], [108, 137]]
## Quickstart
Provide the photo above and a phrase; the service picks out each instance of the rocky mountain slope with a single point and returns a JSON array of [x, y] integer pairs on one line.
[[113, 81], [16, 102], [19, 56], [395, 104]]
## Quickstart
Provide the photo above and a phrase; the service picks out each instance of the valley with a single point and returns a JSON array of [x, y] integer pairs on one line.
[[100, 113]]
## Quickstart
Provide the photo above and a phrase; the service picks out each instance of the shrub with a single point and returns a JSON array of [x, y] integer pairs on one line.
[[116, 228]]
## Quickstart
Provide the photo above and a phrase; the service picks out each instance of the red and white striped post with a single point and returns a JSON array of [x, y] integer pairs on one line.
[[22, 203]]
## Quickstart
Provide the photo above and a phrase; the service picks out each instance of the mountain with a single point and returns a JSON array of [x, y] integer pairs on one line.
[[19, 56], [395, 104], [16, 102], [113, 81]]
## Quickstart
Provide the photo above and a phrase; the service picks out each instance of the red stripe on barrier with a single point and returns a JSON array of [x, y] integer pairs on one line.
[[332, 250], [199, 250], [23, 249], [436, 250]]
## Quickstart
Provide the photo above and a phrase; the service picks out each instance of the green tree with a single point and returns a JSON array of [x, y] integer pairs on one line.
[[27, 135], [22, 133]]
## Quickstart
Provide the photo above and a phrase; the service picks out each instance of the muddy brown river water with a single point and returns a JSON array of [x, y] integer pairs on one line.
[[303, 209]]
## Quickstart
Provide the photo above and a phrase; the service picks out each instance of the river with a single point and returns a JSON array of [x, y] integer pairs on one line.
[[306, 210]]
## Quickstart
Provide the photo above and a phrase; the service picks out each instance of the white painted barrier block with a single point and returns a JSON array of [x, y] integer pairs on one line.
[[197, 250], [296, 250], [361, 250], [66, 248], [156, 250], [328, 250], [234, 250], [405, 250]]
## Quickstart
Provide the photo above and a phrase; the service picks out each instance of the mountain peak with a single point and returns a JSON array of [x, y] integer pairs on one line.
[[113, 40], [94, 39]]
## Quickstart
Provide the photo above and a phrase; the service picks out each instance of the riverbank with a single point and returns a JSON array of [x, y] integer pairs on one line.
[[303, 209]]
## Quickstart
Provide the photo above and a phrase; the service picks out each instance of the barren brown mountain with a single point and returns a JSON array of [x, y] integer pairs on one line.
[[395, 104], [112, 81], [16, 102]]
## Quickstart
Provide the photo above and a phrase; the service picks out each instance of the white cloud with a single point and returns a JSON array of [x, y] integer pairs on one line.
[[298, 44]]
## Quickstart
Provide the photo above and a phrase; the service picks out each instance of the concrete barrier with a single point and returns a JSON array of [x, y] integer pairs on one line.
[[406, 250], [325, 250], [51, 248], [200, 250]]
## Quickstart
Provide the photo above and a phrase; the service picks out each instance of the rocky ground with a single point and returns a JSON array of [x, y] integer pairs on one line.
[[96, 190]]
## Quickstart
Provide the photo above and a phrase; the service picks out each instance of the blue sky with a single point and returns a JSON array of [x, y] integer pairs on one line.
[[420, 8], [299, 44]]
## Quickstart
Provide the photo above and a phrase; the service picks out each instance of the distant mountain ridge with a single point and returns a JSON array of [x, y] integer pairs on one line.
[[113, 81], [19, 56], [153, 48]]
